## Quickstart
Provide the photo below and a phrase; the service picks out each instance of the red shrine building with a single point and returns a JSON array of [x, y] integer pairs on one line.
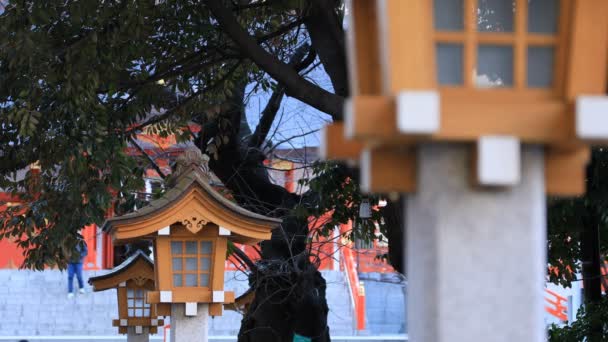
[[286, 169]]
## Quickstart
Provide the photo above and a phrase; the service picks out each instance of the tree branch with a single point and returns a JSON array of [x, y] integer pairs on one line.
[[280, 31], [274, 103], [254, 5], [327, 37], [150, 160], [295, 85], [180, 105], [268, 115]]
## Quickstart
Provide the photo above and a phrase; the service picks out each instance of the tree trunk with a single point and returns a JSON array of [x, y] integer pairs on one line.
[[590, 257], [289, 290], [393, 217]]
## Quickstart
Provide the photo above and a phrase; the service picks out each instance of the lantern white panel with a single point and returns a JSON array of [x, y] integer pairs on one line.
[[166, 296], [543, 16], [449, 63], [123, 322], [365, 173], [448, 15], [139, 329], [494, 66], [418, 112], [218, 296], [540, 66], [498, 161], [349, 118], [495, 16], [592, 117], [191, 309]]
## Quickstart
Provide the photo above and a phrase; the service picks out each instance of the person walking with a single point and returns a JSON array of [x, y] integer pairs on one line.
[[75, 257]]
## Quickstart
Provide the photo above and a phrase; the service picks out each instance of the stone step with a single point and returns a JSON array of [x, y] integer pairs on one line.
[[36, 303]]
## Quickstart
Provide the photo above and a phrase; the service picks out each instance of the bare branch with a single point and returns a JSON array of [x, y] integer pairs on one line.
[[293, 137], [281, 30], [295, 85], [274, 103], [183, 103], [150, 160], [268, 115]]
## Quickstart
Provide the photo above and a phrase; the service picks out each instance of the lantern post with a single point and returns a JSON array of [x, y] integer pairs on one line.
[[477, 110], [190, 226]]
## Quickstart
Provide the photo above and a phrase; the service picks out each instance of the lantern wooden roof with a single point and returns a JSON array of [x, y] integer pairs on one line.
[[192, 202], [137, 267], [397, 102]]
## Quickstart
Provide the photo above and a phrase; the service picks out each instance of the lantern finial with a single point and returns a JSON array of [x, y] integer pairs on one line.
[[192, 158]]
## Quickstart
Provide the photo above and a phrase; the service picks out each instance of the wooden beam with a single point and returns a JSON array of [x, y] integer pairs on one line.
[[334, 146], [407, 52], [218, 258], [386, 169], [363, 50], [216, 309], [135, 321], [189, 295], [587, 68], [565, 171], [163, 309], [373, 119]]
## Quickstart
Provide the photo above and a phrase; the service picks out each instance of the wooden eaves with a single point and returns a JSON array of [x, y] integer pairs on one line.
[[192, 197]]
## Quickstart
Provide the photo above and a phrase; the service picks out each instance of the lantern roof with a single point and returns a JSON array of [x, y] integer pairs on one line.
[[138, 265], [193, 202]]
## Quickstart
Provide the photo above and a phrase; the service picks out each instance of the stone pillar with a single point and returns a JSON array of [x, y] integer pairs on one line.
[[476, 258], [133, 336], [189, 328]]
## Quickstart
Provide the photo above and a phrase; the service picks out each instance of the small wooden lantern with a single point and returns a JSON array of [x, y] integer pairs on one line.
[[494, 74], [132, 280], [190, 227]]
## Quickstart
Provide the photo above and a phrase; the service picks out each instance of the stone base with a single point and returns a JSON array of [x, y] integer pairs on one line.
[[476, 258], [189, 328], [132, 336]]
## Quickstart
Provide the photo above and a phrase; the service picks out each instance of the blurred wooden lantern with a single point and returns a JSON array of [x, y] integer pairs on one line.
[[132, 280], [492, 73], [190, 227]]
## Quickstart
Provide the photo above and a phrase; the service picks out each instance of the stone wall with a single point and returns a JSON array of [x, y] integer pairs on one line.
[[36, 304]]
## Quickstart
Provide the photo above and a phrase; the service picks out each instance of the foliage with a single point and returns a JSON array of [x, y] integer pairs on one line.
[[587, 317], [568, 217], [336, 192], [79, 78]]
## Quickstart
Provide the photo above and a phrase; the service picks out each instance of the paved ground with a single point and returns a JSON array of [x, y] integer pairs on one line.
[[35, 304], [226, 339]]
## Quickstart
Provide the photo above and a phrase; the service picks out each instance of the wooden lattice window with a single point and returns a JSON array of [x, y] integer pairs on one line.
[[136, 303], [191, 263], [513, 44]]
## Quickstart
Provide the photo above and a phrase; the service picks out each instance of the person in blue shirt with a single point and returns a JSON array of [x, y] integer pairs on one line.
[[75, 259]]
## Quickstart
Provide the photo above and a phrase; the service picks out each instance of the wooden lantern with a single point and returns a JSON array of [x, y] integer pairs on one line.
[[132, 280], [450, 71], [190, 227]]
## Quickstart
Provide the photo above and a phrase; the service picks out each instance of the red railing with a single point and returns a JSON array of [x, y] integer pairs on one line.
[[556, 307], [166, 330], [357, 291]]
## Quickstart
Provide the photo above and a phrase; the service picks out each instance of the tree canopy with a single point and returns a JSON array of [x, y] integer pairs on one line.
[[79, 79]]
